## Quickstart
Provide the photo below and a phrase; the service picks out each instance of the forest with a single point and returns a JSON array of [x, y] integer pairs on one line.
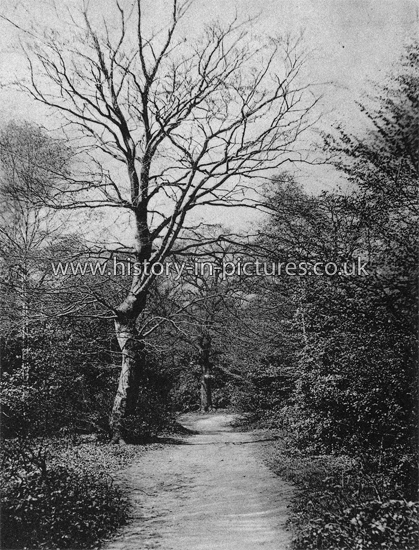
[[125, 303]]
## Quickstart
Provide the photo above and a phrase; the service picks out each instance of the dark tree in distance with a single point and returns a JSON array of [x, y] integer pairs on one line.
[[215, 299]]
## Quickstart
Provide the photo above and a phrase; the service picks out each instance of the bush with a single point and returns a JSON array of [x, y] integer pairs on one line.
[[57, 507], [344, 503], [371, 525], [185, 393], [151, 417]]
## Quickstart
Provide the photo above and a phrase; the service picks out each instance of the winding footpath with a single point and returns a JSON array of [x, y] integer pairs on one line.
[[208, 491]]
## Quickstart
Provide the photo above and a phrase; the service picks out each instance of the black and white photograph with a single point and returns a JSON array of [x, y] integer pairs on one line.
[[209, 222]]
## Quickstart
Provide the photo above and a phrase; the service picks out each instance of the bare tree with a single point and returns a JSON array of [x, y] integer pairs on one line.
[[191, 122]]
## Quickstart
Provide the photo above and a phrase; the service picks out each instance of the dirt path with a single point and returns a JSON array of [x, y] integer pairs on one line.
[[209, 492]]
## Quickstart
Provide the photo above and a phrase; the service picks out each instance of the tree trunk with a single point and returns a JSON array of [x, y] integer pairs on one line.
[[133, 356], [206, 377], [206, 390], [130, 342]]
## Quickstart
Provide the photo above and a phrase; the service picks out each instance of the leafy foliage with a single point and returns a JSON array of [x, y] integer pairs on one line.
[[343, 505], [355, 377], [46, 504]]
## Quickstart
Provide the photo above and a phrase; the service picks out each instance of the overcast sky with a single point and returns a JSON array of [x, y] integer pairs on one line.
[[352, 42]]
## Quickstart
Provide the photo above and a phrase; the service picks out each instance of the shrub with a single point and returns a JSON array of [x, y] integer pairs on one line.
[[344, 503], [57, 507], [371, 525], [151, 417]]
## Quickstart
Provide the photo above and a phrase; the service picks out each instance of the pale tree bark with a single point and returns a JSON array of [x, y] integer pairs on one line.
[[129, 339], [132, 351], [191, 122]]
